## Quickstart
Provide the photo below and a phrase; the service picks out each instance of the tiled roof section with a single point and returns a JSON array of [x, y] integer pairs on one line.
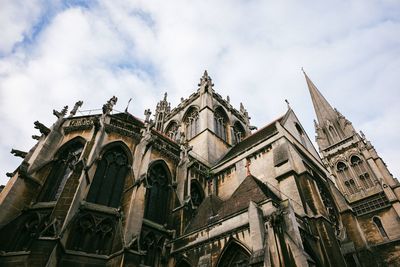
[[213, 208], [262, 134], [206, 211], [251, 189]]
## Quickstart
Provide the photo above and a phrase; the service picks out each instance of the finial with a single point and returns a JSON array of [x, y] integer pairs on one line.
[[75, 109], [147, 113], [228, 99], [108, 107], [126, 109], [60, 114], [205, 79], [165, 96], [288, 104]]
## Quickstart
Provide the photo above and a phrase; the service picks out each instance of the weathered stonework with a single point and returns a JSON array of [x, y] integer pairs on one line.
[[196, 187]]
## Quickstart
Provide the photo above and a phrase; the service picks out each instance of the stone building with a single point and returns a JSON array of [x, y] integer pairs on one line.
[[199, 186]]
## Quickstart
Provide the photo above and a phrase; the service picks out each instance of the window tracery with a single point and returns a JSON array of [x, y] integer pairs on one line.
[[361, 171], [61, 170], [108, 181], [220, 124], [345, 174], [192, 123], [157, 195], [172, 131], [238, 133]]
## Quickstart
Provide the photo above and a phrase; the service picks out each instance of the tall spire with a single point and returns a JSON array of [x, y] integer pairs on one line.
[[323, 109]]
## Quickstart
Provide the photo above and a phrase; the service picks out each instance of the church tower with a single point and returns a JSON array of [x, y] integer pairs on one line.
[[360, 174]]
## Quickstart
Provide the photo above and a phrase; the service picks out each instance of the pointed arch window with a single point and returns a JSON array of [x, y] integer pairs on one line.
[[191, 123], [234, 255], [220, 123], [380, 227], [361, 169], [172, 131], [196, 193], [345, 175], [63, 167], [109, 179], [157, 195], [238, 133]]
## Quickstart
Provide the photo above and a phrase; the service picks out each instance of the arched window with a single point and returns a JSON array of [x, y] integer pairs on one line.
[[301, 134], [345, 175], [238, 133], [157, 195], [172, 131], [361, 170], [220, 121], [191, 121], [108, 182], [61, 170], [234, 255], [196, 193], [378, 224]]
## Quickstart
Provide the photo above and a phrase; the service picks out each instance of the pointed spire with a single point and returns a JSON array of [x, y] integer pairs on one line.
[[205, 83], [323, 109]]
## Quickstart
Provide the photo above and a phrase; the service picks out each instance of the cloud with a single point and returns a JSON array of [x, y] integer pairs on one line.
[[56, 54]]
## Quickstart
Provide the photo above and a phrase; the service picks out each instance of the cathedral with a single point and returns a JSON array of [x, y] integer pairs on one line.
[[198, 185]]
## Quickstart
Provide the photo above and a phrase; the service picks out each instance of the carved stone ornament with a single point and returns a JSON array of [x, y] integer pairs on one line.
[[60, 114], [75, 109], [108, 107], [18, 153], [43, 129]]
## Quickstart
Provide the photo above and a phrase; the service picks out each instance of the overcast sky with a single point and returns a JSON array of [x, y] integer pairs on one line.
[[54, 53]]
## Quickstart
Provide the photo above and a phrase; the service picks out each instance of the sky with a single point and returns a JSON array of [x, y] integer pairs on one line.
[[54, 53]]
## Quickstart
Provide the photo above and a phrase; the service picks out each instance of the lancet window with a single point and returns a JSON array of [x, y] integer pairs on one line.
[[360, 168], [379, 225], [191, 123], [345, 175], [220, 122], [196, 193], [238, 133], [108, 181], [157, 195], [61, 170]]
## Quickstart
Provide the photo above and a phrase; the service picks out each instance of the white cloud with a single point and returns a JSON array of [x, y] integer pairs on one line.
[[253, 50]]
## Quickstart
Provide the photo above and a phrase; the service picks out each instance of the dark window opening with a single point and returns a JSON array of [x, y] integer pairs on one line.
[[238, 133], [196, 193], [378, 224], [61, 170], [234, 256], [109, 179], [157, 195]]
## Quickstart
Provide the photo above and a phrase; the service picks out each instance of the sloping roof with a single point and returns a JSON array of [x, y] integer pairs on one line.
[[251, 189], [262, 134], [207, 209], [213, 208]]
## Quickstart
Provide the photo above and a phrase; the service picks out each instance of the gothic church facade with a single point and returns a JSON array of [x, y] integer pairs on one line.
[[199, 186]]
